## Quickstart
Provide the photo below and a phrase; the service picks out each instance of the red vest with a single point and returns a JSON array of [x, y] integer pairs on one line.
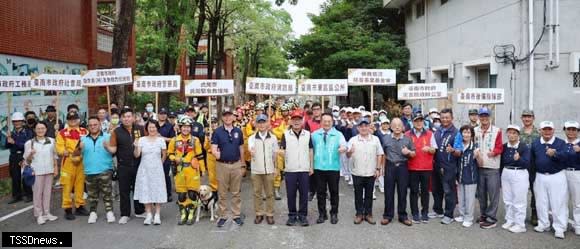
[[423, 161], [313, 125]]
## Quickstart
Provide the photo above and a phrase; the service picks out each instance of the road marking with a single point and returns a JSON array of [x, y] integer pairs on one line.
[[17, 212]]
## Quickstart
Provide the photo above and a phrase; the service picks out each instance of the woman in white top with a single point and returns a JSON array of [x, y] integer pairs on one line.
[[40, 154], [150, 181]]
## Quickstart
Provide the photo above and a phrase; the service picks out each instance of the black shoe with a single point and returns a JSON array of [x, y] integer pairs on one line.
[[221, 222], [333, 219], [303, 221], [15, 200], [238, 221], [68, 214], [291, 221], [81, 211], [27, 199], [321, 218], [169, 198], [311, 196]]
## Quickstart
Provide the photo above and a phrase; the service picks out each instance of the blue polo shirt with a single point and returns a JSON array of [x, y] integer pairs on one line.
[[166, 130], [228, 142], [544, 163]]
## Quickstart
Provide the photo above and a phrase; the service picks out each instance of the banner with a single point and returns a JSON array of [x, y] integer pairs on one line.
[[107, 77], [165, 83], [14, 83], [421, 91], [481, 96], [323, 87], [57, 82], [376, 77], [269, 86], [209, 87]]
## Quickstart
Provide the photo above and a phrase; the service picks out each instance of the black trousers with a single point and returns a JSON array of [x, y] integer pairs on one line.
[[297, 182], [312, 184], [19, 189], [166, 169], [127, 175], [327, 180], [419, 185], [396, 176], [363, 194], [443, 186]]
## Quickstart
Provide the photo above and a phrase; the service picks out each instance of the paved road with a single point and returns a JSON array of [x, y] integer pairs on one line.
[[343, 235]]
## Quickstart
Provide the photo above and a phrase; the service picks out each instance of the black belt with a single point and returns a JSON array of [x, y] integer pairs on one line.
[[572, 169], [227, 162], [397, 164], [548, 173], [514, 168]]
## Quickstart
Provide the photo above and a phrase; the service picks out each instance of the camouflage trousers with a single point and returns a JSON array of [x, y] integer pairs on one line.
[[100, 184]]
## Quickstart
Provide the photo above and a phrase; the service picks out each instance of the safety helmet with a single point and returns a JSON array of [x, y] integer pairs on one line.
[[260, 106], [17, 116], [284, 108], [185, 120]]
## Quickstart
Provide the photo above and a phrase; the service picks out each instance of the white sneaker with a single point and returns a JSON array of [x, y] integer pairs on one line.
[[540, 229], [507, 225], [382, 189], [467, 223], [459, 218], [351, 182], [50, 217], [517, 229], [148, 219], [124, 220], [577, 231], [110, 217], [374, 196], [92, 217], [40, 220], [346, 178], [559, 234], [157, 219], [143, 215]]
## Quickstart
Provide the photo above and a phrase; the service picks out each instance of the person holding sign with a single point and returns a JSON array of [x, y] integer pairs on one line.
[[15, 143], [328, 144], [515, 161], [489, 139], [72, 175], [183, 151]]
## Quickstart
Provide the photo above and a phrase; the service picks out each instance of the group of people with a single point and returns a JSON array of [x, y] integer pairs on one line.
[[310, 150]]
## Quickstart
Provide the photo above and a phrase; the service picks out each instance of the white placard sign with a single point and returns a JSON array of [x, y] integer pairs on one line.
[[421, 91], [375, 77], [107, 77], [164, 83], [323, 87], [57, 82], [481, 96], [269, 86], [14, 83], [209, 87]]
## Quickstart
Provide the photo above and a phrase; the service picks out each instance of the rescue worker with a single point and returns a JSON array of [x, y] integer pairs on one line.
[[210, 160], [277, 127], [184, 151], [72, 175]]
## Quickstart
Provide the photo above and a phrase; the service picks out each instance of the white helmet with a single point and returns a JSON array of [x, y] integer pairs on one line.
[[185, 120], [17, 116]]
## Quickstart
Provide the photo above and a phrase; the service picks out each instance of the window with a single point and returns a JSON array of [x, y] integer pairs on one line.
[[420, 8], [576, 80], [483, 79], [444, 1]]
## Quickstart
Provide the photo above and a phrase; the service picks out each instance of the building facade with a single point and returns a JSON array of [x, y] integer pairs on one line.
[[456, 41]]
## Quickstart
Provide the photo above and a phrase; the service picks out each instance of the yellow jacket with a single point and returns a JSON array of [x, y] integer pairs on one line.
[[68, 139], [183, 147]]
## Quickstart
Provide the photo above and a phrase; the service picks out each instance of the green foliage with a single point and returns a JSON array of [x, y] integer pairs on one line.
[[175, 103], [348, 34], [5, 187], [138, 100]]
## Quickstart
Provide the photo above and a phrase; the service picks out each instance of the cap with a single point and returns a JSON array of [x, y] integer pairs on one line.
[[361, 108], [190, 108], [343, 109], [214, 119], [514, 127], [172, 115], [261, 118], [163, 111], [437, 116], [227, 111], [483, 111], [72, 116], [571, 124], [364, 121], [356, 110], [349, 109], [546, 124], [418, 116], [17, 116], [374, 112], [335, 108], [432, 110], [382, 111], [50, 108], [367, 114], [528, 112], [473, 112], [417, 110], [385, 120], [296, 114]]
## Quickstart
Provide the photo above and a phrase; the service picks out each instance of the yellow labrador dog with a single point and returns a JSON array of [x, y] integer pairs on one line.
[[208, 202]]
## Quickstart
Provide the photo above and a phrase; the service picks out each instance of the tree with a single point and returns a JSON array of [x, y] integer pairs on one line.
[[121, 35]]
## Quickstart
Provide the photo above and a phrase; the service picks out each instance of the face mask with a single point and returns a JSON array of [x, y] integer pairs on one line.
[[149, 108], [335, 114], [145, 119], [115, 121], [31, 121], [437, 125]]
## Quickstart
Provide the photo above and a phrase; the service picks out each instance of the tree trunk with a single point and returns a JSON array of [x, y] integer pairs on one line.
[[121, 37], [197, 37]]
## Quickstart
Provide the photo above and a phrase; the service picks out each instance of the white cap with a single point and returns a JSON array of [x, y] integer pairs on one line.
[[546, 124], [513, 126], [367, 114], [344, 109], [436, 116], [349, 109], [571, 124], [17, 116], [356, 110], [382, 111], [385, 120], [335, 108], [375, 112], [362, 108], [432, 110]]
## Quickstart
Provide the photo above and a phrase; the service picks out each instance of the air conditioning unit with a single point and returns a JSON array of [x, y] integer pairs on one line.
[[575, 62]]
